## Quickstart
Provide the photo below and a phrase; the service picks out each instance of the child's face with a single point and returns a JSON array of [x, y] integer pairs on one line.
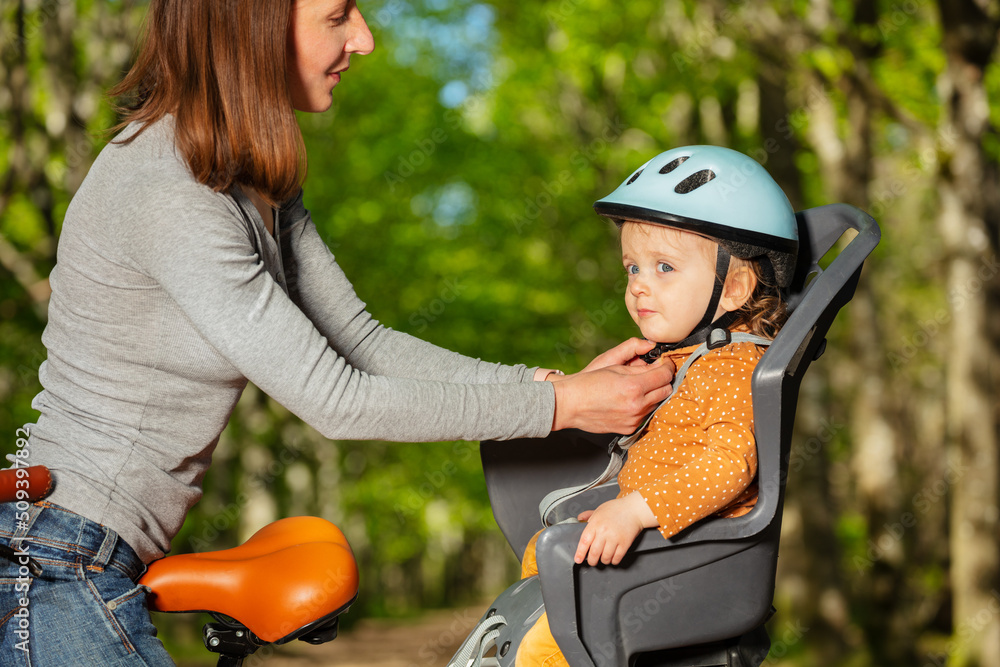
[[671, 275]]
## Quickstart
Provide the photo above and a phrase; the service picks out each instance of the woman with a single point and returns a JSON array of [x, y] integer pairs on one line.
[[187, 266]]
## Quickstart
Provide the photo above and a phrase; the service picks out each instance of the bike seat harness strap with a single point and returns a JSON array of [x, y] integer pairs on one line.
[[548, 509]]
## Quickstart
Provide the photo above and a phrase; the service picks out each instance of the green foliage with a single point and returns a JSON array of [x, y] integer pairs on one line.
[[453, 180]]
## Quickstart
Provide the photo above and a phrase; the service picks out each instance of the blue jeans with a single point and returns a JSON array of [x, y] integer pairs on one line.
[[86, 607]]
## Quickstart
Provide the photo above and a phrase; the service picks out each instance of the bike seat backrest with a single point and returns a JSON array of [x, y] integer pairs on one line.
[[704, 569], [286, 576]]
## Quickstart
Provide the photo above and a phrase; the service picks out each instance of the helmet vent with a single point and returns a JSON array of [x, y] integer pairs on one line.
[[634, 176], [673, 164], [694, 181]]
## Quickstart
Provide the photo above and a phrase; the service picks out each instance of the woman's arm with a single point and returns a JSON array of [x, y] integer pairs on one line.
[[196, 248]]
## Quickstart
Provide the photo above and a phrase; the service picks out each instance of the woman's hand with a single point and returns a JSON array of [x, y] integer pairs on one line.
[[612, 398], [612, 528], [628, 353]]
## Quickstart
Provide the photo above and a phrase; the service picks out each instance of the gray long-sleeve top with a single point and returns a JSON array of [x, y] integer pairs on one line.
[[167, 297]]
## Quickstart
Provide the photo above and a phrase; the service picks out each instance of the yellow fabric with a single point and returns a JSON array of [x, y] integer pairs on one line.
[[538, 647], [698, 457]]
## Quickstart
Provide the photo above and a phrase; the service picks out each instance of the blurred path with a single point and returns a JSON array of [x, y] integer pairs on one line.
[[427, 641]]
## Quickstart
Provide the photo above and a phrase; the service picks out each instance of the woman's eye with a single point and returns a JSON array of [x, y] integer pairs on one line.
[[664, 267], [337, 21]]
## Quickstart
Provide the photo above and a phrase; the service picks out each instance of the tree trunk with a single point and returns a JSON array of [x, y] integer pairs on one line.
[[969, 218]]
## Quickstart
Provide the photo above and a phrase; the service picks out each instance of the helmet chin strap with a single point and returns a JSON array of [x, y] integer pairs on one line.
[[702, 331]]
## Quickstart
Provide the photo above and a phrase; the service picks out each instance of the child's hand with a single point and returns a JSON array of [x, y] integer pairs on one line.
[[612, 528]]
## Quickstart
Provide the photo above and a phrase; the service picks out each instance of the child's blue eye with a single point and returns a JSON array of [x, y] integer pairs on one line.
[[664, 267], [632, 269]]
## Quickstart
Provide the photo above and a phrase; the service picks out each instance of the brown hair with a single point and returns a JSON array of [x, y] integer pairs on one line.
[[765, 311], [220, 68]]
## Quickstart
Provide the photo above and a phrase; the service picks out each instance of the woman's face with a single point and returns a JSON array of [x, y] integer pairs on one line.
[[322, 35]]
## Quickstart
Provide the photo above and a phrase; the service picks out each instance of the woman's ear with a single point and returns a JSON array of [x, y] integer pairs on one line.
[[740, 284]]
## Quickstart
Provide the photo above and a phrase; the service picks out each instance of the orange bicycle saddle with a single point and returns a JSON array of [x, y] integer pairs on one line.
[[286, 576]]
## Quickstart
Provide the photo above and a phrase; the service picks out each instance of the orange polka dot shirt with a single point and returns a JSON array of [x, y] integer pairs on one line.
[[698, 456]]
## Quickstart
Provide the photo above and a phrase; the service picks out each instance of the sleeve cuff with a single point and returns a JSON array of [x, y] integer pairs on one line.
[[541, 373]]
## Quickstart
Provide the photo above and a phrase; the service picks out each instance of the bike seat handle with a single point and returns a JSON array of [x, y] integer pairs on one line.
[[28, 484]]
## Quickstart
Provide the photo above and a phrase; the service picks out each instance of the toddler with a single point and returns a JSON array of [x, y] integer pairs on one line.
[[708, 241]]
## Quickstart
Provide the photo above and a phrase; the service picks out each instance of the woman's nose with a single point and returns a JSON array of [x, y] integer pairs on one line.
[[361, 40]]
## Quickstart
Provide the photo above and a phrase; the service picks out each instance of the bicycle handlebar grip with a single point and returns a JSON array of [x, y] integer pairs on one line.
[[29, 484]]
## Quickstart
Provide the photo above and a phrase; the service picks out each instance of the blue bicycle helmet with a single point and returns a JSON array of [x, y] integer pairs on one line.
[[719, 193]]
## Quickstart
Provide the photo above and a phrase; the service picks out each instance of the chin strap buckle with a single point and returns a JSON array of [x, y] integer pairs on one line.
[[718, 337], [655, 353]]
